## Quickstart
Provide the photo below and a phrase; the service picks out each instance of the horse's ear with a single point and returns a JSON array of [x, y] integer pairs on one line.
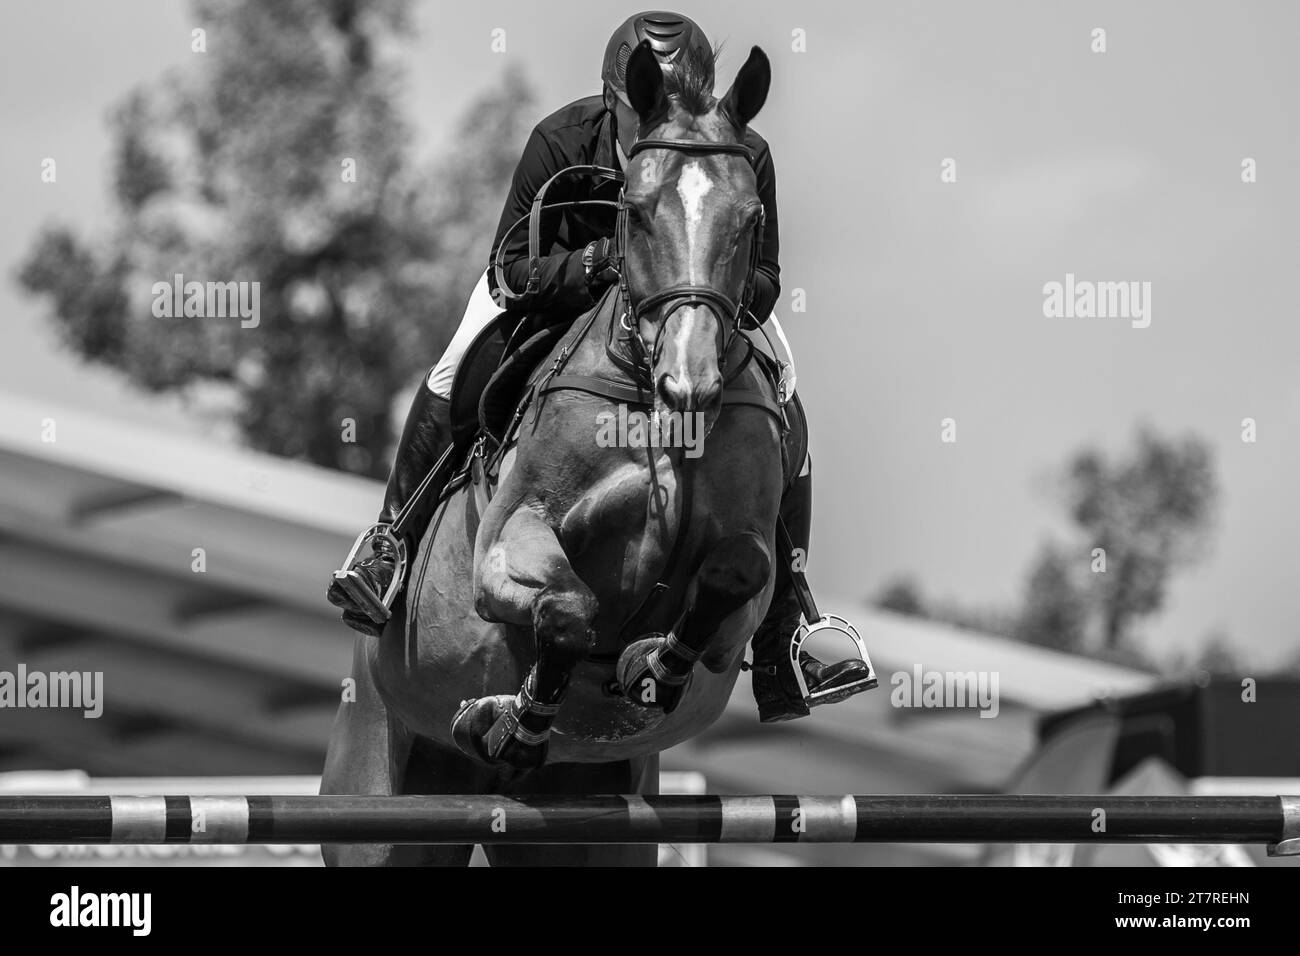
[[645, 82], [748, 94]]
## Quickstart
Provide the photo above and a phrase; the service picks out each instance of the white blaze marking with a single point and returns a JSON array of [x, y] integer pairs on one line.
[[681, 372], [693, 185]]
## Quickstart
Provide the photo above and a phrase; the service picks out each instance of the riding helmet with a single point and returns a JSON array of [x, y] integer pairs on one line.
[[669, 34]]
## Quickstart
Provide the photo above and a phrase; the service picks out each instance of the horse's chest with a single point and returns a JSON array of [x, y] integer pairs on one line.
[[625, 526]]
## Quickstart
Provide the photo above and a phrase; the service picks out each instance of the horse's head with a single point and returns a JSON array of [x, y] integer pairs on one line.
[[692, 224]]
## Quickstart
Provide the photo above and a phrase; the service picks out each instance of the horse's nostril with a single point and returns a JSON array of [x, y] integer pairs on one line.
[[673, 394], [688, 396], [709, 394]]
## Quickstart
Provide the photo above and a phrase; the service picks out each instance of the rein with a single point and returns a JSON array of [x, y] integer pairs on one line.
[[534, 220]]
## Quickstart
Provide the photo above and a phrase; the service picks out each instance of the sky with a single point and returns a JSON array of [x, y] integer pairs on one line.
[[924, 298]]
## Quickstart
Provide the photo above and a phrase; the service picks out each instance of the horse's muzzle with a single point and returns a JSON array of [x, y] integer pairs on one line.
[[691, 396]]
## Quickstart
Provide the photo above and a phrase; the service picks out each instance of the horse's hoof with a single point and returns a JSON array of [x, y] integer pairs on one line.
[[644, 681], [484, 728], [470, 726]]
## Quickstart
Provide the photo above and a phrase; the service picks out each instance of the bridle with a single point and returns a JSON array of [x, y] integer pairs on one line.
[[731, 312]]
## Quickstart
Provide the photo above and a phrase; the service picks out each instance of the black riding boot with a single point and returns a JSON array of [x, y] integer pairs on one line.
[[425, 436], [776, 688]]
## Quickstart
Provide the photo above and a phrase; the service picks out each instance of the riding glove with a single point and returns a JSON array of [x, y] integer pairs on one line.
[[600, 262]]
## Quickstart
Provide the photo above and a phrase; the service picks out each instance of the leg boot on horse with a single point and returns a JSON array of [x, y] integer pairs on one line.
[[525, 579], [425, 436], [776, 689], [655, 671]]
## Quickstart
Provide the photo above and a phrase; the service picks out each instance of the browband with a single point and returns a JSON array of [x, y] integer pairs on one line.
[[691, 146]]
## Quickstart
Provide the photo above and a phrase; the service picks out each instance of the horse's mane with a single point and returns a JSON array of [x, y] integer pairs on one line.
[[690, 81]]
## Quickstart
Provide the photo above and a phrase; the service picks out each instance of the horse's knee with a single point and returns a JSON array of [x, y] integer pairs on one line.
[[562, 623], [738, 567]]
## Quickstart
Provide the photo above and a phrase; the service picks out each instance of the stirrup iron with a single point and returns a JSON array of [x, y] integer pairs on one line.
[[830, 622], [378, 607]]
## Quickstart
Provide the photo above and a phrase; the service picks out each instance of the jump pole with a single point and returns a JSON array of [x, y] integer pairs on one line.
[[446, 819]]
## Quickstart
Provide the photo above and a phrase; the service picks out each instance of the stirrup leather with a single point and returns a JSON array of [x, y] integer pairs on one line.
[[379, 607], [830, 622]]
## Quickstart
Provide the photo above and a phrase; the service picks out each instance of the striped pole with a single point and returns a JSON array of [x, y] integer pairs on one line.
[[649, 819]]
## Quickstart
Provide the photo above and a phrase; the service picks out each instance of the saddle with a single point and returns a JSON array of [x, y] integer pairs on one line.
[[494, 372]]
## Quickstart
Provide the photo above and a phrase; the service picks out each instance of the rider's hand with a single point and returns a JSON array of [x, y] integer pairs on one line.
[[600, 263]]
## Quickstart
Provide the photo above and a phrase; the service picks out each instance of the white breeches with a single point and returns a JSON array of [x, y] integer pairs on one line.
[[482, 309], [479, 313]]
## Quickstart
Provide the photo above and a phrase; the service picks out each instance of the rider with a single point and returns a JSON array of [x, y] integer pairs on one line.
[[577, 266]]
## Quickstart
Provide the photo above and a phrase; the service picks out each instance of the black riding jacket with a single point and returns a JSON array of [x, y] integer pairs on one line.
[[583, 133]]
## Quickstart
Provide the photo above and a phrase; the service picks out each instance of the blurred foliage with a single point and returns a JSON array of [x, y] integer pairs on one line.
[[1215, 657], [902, 595], [1055, 613], [1150, 511], [231, 169]]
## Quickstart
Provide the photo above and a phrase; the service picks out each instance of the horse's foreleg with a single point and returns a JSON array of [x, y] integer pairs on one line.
[[525, 578], [654, 671]]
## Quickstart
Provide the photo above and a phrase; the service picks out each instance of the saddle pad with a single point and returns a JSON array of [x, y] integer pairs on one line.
[[476, 369], [505, 388]]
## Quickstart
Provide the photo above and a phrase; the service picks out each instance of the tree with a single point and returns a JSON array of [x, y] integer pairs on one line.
[[1149, 514], [240, 169], [1055, 612], [902, 595], [1218, 656]]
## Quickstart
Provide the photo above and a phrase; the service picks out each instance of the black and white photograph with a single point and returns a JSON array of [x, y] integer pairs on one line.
[[557, 434]]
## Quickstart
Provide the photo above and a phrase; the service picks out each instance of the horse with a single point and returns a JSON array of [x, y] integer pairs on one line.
[[533, 590]]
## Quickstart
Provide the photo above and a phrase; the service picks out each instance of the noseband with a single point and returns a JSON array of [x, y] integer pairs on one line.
[[730, 312]]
